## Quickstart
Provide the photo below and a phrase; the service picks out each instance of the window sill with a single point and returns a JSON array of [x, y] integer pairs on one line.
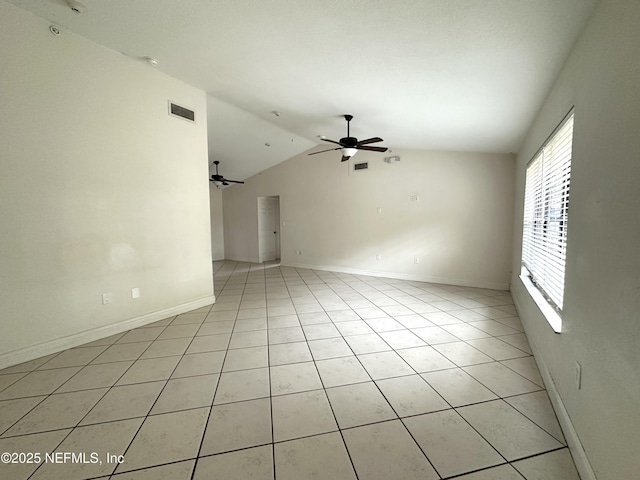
[[554, 320]]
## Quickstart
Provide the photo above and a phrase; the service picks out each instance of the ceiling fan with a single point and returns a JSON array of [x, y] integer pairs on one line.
[[350, 145], [218, 179]]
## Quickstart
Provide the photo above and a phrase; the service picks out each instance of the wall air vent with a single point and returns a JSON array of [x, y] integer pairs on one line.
[[361, 166], [182, 112]]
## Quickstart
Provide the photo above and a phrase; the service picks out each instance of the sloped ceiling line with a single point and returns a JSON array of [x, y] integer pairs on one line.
[[457, 75]]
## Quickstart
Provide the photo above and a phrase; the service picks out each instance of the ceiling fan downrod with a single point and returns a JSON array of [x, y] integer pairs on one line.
[[348, 118]]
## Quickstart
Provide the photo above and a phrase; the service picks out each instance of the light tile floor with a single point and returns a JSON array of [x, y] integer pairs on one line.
[[296, 374]]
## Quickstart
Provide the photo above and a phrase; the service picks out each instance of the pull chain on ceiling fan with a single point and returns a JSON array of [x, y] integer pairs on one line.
[[219, 180], [350, 145]]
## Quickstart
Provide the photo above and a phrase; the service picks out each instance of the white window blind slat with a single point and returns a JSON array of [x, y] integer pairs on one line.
[[546, 205]]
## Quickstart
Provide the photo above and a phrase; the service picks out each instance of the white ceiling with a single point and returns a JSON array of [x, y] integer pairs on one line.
[[426, 74]]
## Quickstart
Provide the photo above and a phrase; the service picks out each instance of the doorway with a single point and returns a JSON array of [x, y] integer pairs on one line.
[[268, 228]]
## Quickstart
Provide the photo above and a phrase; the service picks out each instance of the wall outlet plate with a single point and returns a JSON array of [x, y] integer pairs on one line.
[[106, 298]]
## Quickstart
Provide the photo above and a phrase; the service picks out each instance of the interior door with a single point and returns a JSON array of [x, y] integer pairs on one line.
[[268, 228]]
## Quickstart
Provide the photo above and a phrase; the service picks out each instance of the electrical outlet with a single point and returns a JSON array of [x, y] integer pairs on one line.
[[298, 252], [414, 198], [379, 210], [578, 376], [416, 260], [106, 298], [135, 293], [378, 257]]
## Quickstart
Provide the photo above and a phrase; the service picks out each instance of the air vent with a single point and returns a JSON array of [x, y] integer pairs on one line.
[[361, 166], [182, 112]]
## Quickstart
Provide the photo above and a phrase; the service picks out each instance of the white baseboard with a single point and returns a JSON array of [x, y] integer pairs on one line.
[[403, 276], [573, 441], [243, 259], [32, 352]]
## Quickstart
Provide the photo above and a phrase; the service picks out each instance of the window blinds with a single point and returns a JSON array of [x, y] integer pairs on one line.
[[546, 204]]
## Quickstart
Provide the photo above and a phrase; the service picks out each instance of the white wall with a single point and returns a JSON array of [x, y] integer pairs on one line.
[[101, 191], [461, 228], [217, 225], [601, 326]]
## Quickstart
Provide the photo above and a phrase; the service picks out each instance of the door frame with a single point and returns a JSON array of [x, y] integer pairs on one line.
[[276, 199]]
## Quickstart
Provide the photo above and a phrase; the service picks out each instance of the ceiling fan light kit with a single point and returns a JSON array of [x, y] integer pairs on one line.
[[349, 151], [350, 145]]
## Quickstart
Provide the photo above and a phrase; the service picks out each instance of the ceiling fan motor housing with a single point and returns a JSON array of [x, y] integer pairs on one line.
[[348, 142], [219, 179], [350, 145]]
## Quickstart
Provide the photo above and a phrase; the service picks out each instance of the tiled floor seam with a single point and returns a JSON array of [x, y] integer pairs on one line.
[[77, 373], [155, 401], [206, 423], [84, 416], [317, 284], [335, 418]]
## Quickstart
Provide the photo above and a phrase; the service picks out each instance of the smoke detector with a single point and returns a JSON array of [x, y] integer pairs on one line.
[[76, 7]]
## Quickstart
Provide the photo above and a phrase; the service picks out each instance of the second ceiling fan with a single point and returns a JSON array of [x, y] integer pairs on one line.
[[219, 180], [350, 145]]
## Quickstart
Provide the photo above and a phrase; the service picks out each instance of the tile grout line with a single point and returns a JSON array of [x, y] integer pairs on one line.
[[166, 382], [335, 284], [99, 400], [393, 349], [335, 418], [273, 438], [398, 417], [213, 399]]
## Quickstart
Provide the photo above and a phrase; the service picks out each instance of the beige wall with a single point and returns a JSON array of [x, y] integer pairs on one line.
[[460, 229], [601, 326], [101, 191], [217, 225]]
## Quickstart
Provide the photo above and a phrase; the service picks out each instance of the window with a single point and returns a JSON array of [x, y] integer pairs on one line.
[[546, 204]]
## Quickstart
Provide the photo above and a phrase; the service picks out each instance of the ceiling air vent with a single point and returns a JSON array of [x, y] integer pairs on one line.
[[361, 166], [182, 112]]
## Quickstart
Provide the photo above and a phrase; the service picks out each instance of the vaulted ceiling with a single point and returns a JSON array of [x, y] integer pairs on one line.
[[425, 74]]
